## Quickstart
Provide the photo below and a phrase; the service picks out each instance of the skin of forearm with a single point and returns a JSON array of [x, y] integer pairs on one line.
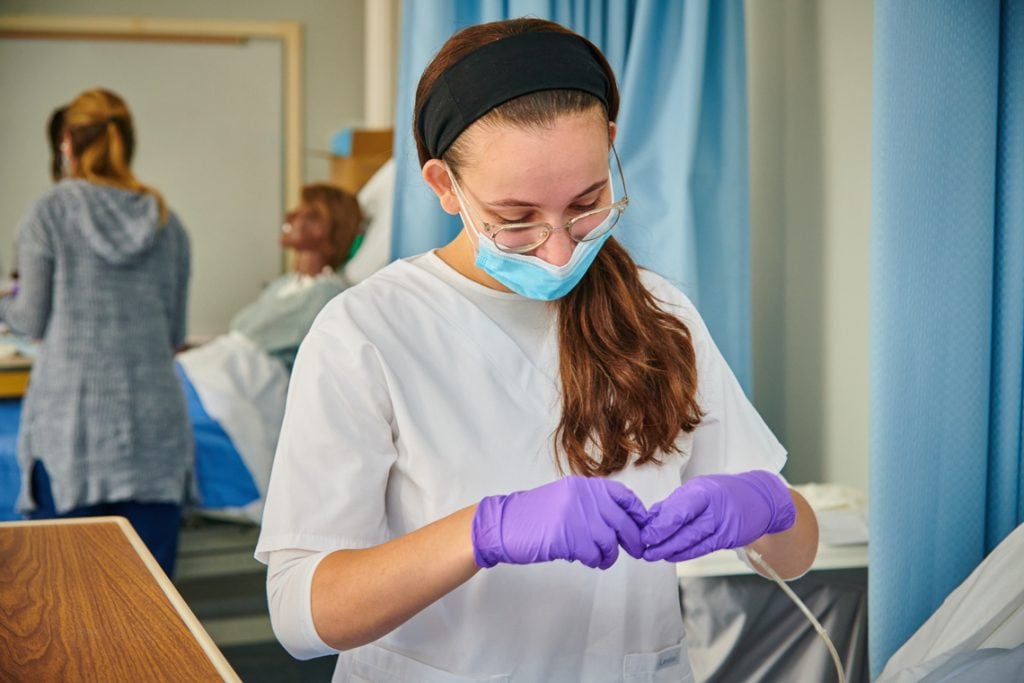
[[359, 596], [791, 552]]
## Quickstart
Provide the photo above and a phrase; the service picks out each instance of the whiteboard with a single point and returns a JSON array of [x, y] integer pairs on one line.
[[209, 136]]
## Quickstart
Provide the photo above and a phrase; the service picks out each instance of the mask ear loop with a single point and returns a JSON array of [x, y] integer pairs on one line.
[[622, 176], [467, 222]]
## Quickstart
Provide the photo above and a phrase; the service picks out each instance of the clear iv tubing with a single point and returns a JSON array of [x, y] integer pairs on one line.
[[756, 557]]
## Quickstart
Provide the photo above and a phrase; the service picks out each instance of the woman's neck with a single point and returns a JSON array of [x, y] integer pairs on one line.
[[460, 254], [309, 263]]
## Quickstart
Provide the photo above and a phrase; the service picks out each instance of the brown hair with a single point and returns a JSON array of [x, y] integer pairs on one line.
[[343, 212], [55, 133], [103, 142], [628, 368]]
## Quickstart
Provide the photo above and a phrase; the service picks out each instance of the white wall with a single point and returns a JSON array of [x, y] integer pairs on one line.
[[809, 69], [383, 31]]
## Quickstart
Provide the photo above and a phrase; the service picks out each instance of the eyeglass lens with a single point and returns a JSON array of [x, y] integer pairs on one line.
[[582, 229]]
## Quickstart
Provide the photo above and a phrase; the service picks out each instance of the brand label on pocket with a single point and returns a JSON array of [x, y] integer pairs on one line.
[[668, 658]]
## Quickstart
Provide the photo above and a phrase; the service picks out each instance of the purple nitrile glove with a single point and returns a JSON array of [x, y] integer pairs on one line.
[[576, 518], [717, 511]]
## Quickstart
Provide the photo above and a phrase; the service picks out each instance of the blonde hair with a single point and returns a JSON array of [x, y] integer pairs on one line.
[[103, 142]]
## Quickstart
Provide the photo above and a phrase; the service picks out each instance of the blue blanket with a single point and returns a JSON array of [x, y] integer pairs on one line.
[[222, 477], [10, 473]]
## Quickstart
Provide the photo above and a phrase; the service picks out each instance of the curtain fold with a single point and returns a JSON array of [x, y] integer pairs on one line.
[[947, 301], [682, 140]]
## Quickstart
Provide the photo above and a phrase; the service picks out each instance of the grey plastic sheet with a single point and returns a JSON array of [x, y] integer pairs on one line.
[[744, 629]]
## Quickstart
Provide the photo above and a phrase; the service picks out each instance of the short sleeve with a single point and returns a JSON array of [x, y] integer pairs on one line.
[[329, 480], [732, 437]]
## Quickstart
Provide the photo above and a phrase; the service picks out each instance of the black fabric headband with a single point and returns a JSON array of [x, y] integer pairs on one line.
[[503, 70]]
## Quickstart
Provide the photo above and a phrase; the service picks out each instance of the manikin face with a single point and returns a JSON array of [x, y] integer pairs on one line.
[[306, 228], [512, 174]]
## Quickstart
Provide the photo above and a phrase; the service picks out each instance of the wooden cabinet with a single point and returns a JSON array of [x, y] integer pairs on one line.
[[370, 149]]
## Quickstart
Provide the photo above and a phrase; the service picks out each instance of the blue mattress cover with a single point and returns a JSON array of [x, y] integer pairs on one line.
[[222, 477]]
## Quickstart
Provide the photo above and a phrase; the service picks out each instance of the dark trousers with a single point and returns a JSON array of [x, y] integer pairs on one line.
[[158, 524]]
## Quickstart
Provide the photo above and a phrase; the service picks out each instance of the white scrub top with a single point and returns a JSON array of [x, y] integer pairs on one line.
[[410, 399]]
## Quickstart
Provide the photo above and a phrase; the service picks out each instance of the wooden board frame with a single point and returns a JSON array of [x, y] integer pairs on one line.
[[163, 30]]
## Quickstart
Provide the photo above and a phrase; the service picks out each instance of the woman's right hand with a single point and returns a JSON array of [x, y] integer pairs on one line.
[[576, 518]]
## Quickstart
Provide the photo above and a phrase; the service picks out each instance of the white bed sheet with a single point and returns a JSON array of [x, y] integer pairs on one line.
[[244, 390], [985, 611]]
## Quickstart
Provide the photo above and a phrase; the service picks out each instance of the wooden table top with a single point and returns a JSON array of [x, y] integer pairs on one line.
[[15, 362], [83, 599]]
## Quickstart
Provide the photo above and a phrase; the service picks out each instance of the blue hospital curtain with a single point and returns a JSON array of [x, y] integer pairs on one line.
[[682, 140], [947, 301]]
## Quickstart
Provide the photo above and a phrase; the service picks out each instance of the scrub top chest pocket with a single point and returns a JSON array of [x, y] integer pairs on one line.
[[665, 666]]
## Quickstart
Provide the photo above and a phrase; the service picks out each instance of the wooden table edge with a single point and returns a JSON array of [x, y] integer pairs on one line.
[[213, 653]]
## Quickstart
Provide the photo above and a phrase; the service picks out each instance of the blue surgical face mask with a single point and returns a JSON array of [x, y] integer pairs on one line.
[[531, 276]]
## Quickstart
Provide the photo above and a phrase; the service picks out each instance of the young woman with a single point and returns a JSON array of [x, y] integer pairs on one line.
[[522, 396], [103, 276]]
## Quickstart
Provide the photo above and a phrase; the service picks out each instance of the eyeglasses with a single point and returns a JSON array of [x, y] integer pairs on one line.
[[593, 224]]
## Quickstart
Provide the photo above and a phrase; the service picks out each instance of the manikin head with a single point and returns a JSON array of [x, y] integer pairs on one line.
[[326, 223]]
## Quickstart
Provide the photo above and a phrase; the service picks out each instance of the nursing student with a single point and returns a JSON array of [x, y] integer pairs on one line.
[[493, 453]]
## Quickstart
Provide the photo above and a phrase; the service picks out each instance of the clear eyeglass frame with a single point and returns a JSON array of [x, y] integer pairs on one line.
[[616, 209]]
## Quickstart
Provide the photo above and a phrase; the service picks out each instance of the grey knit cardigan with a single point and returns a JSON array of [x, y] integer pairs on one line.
[[103, 285]]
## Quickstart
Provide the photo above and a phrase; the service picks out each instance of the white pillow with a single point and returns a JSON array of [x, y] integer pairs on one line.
[[375, 199]]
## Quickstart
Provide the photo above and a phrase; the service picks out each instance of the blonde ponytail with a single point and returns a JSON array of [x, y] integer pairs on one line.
[[103, 141]]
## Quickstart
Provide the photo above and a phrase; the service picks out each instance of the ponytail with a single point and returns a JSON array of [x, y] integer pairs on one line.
[[103, 141], [628, 369]]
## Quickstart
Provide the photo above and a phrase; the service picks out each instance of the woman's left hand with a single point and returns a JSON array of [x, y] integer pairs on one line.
[[584, 519], [717, 511]]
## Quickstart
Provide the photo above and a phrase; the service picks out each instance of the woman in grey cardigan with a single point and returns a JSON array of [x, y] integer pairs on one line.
[[104, 268]]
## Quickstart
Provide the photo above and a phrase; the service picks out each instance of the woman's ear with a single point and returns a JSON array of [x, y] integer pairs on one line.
[[612, 130], [435, 173], [67, 153]]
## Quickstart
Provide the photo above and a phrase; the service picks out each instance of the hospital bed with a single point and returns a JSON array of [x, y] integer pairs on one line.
[[235, 393], [977, 634]]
